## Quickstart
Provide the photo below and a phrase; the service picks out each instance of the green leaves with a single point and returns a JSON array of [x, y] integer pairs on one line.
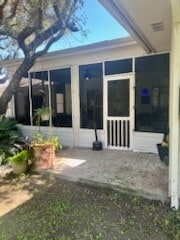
[[10, 135], [40, 138], [21, 157]]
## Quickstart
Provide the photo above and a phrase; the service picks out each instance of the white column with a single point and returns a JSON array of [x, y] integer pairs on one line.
[[50, 103], [75, 104], [174, 155], [10, 112]]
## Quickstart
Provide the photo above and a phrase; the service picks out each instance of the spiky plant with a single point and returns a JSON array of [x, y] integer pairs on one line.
[[10, 137]]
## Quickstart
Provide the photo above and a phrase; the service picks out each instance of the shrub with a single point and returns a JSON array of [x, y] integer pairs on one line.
[[10, 138]]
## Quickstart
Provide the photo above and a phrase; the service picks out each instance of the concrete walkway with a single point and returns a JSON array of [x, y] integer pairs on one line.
[[138, 173]]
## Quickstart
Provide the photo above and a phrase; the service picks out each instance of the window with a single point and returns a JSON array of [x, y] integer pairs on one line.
[[91, 96], [40, 93], [59, 103], [152, 93], [54, 93], [118, 66], [118, 98], [61, 97]]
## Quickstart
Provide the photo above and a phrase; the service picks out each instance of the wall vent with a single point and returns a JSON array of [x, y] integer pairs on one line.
[[157, 26]]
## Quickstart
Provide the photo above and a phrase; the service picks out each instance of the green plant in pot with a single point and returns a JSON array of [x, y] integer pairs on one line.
[[19, 161], [42, 114], [44, 145], [40, 139]]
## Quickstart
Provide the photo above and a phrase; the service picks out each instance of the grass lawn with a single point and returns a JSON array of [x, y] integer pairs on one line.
[[35, 207]]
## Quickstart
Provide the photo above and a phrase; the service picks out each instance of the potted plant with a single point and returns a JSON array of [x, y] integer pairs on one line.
[[19, 161], [44, 147], [163, 149], [43, 114]]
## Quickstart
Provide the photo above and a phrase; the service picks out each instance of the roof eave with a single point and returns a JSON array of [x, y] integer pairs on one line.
[[122, 17], [78, 50]]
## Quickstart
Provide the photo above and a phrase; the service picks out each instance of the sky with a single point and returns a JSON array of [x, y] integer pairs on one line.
[[100, 25]]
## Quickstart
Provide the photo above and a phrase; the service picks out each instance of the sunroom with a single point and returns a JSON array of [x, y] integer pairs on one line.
[[113, 86]]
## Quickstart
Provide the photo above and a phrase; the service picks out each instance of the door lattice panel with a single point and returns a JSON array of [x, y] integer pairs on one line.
[[118, 133]]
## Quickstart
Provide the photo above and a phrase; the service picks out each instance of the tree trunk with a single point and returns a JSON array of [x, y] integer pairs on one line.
[[27, 63]]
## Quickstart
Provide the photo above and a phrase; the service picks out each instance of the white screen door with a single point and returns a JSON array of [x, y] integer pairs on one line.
[[119, 111]]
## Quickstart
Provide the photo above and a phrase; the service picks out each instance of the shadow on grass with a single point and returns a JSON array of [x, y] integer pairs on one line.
[[57, 209]]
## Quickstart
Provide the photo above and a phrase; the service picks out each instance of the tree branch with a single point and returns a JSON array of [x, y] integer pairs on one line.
[[56, 27], [2, 6], [14, 9], [50, 42], [28, 31], [32, 24], [60, 25]]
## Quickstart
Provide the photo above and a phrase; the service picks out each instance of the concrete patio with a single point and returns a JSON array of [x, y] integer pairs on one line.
[[137, 173]]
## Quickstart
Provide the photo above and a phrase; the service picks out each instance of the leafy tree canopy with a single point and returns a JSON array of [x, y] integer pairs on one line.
[[32, 26]]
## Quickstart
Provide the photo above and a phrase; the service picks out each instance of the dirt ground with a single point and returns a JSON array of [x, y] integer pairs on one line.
[[36, 206]]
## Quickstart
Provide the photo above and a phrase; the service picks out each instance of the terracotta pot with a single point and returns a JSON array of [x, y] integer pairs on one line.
[[44, 155]]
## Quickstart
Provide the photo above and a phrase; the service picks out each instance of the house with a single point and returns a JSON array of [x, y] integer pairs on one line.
[[127, 88], [156, 27]]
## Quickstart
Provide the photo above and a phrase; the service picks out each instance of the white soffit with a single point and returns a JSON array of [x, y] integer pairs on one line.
[[147, 21]]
